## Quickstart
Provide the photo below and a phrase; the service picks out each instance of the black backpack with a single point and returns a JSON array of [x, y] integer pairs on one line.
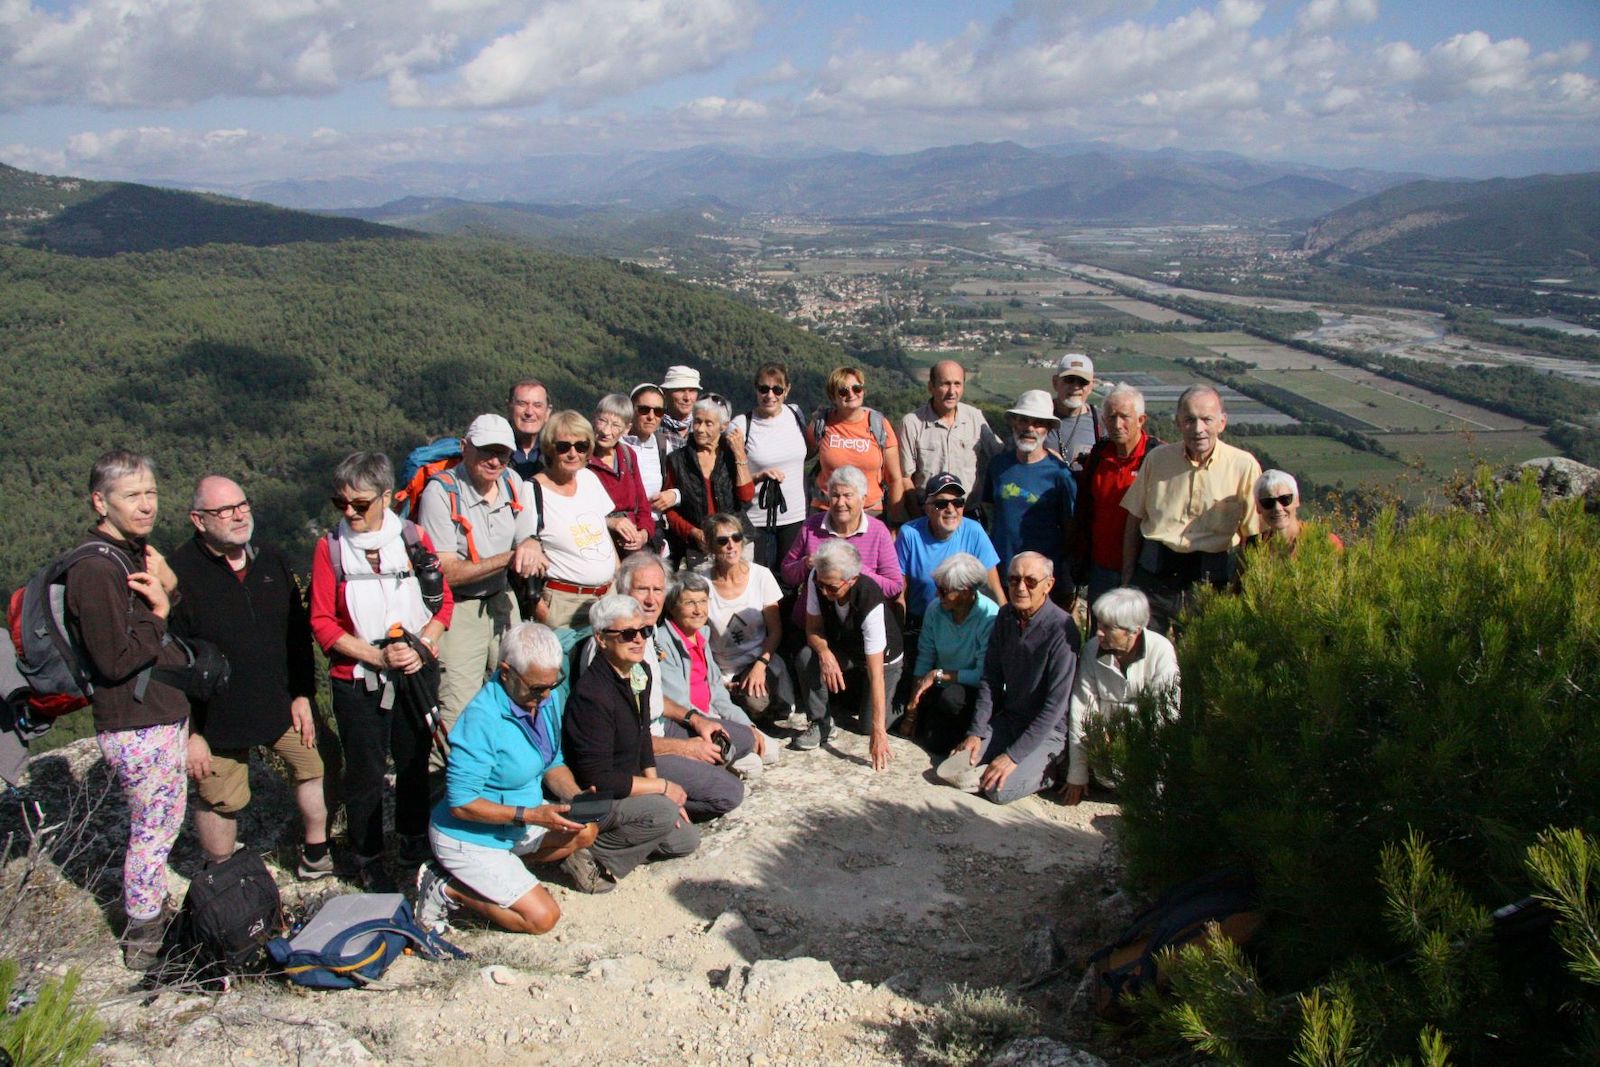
[[231, 911]]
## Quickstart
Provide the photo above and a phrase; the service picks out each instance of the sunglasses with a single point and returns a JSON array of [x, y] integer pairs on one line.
[[772, 390], [580, 447], [730, 539], [629, 633], [496, 456], [1024, 579], [533, 694], [948, 503], [851, 390], [1283, 501], [645, 409], [361, 506]]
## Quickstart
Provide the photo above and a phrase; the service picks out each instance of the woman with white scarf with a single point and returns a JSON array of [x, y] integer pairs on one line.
[[362, 583]]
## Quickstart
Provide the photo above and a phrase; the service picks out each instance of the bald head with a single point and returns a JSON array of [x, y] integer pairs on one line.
[[947, 381], [221, 514]]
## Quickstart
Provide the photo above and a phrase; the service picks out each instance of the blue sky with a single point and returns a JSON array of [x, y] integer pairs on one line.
[[230, 92]]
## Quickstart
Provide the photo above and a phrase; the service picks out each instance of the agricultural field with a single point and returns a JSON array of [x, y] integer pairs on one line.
[[1328, 462], [1445, 454], [1379, 409]]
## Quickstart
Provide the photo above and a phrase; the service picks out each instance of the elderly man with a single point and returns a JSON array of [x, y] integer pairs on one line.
[[1123, 660], [852, 657], [243, 597], [1079, 427], [681, 387], [1031, 493], [482, 519], [529, 406], [945, 436], [1107, 471], [1019, 722], [942, 531], [1190, 507]]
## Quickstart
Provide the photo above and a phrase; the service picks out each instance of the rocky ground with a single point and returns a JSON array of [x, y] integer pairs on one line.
[[819, 923]]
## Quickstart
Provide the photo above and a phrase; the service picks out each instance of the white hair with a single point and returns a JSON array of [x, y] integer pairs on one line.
[[713, 405], [1120, 391], [605, 613], [1125, 608], [1275, 483], [850, 476], [960, 573], [530, 645], [838, 557], [1048, 563], [639, 561]]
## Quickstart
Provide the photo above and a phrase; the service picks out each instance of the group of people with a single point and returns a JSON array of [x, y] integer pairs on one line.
[[583, 636]]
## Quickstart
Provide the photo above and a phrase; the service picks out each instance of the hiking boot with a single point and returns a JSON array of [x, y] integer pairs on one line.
[[142, 940], [586, 874], [434, 905], [414, 849], [375, 876], [817, 733], [310, 870]]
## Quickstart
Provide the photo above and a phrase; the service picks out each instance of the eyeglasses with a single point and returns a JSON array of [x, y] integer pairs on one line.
[[948, 503], [1283, 501], [643, 410], [580, 447], [730, 539], [1028, 580], [227, 511], [629, 633], [361, 507], [498, 456], [850, 390], [772, 390], [832, 588]]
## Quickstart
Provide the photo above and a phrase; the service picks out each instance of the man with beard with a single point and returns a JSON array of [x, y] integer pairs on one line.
[[1030, 493], [1079, 427], [242, 597]]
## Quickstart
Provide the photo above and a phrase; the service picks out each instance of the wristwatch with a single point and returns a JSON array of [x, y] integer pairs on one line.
[[765, 657], [520, 817]]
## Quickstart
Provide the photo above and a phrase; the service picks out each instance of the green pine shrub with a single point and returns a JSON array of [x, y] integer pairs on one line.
[[51, 1029], [1438, 681]]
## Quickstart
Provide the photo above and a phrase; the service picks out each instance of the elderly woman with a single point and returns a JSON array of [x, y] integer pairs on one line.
[[117, 590], [617, 466], [578, 524], [353, 606], [606, 739], [505, 752], [775, 443], [1123, 660], [746, 623], [845, 518], [852, 658], [1278, 505], [711, 475], [955, 638], [850, 434]]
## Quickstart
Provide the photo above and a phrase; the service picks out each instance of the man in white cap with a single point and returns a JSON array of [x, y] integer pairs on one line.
[[681, 387], [1031, 494], [482, 519], [1079, 425]]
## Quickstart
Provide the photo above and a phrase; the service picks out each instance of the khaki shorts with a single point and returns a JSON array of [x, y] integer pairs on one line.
[[226, 789]]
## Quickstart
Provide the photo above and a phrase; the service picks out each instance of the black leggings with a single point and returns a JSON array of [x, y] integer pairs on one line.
[[370, 737]]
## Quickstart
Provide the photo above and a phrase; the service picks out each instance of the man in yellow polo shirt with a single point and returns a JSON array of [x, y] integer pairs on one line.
[[1190, 507]]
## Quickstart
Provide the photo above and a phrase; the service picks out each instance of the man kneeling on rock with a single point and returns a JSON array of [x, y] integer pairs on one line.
[[1019, 723], [505, 753]]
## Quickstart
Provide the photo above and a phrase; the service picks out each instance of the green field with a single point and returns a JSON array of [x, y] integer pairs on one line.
[[1380, 410], [1328, 462], [1445, 454]]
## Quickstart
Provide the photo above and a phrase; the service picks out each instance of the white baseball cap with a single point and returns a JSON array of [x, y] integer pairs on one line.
[[1076, 363], [487, 430]]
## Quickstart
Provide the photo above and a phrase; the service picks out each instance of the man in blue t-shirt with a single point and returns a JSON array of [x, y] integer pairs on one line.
[[943, 531], [1030, 494]]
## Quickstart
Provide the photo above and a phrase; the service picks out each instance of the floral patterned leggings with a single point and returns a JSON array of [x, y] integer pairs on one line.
[[149, 764]]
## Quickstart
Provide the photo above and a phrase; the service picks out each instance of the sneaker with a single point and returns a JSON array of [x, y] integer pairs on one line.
[[414, 848], [815, 735], [375, 876], [747, 766], [311, 870], [586, 874], [434, 905]]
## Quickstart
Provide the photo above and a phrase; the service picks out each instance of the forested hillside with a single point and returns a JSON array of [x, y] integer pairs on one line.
[[271, 363]]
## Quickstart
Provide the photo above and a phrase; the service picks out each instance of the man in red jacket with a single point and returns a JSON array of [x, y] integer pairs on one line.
[[1108, 470]]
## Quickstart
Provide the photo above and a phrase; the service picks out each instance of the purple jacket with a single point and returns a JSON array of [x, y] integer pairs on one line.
[[874, 542]]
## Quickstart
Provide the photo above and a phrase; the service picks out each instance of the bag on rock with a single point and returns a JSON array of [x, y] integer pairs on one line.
[[1179, 916], [353, 939]]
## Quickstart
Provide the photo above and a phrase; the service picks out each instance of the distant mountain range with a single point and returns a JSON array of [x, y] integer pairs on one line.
[[1546, 222], [1067, 183]]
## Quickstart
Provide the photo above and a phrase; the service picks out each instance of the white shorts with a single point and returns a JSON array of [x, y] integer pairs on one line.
[[498, 875]]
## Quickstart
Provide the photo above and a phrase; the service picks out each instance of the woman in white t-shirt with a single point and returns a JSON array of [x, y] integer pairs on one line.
[[746, 623], [577, 527], [775, 444]]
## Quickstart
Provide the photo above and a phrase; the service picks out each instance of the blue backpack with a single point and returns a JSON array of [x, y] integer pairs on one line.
[[353, 939]]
